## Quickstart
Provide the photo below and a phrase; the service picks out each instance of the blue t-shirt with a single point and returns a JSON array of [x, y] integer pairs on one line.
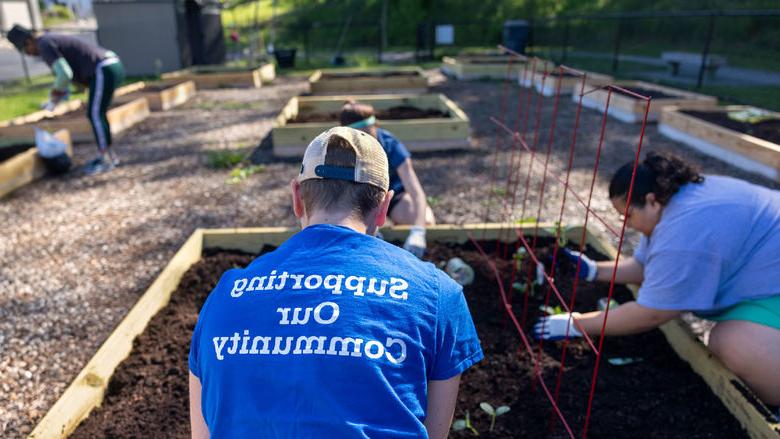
[[334, 334], [396, 155], [717, 244]]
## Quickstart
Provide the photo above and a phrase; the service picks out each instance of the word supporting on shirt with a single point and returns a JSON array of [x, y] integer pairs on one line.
[[335, 283]]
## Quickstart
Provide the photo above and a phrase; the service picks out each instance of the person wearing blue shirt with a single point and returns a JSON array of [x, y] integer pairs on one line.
[[409, 204], [335, 333], [710, 245]]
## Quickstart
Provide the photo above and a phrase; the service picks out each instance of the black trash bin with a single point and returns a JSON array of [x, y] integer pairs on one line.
[[285, 57], [516, 35]]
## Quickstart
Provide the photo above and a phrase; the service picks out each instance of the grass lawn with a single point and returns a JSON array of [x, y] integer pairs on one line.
[[18, 98]]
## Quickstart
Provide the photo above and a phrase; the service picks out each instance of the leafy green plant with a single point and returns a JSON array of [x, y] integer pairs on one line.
[[560, 232], [432, 200], [462, 424], [493, 412], [224, 159], [239, 173], [499, 191]]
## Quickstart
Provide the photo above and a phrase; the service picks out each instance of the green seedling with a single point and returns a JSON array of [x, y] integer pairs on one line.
[[239, 174], [560, 232], [432, 201], [551, 310], [462, 424], [494, 413], [499, 191], [224, 159]]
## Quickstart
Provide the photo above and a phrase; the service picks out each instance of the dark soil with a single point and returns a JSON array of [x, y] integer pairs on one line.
[[346, 75], [768, 130], [11, 149], [660, 396], [655, 94], [148, 395], [392, 113]]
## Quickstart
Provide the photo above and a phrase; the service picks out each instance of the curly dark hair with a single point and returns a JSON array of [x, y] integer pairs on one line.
[[662, 174], [354, 111]]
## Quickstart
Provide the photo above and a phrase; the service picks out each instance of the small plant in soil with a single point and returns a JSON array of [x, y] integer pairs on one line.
[[224, 159], [241, 173], [462, 424], [432, 200]]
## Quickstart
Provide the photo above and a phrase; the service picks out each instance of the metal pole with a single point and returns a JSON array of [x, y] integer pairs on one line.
[[616, 53], [565, 46], [26, 71], [705, 52]]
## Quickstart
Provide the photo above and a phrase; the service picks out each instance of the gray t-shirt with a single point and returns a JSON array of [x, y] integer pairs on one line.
[[82, 57], [717, 244]]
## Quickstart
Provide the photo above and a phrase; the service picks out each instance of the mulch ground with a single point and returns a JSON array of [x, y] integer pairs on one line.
[[78, 251], [148, 394]]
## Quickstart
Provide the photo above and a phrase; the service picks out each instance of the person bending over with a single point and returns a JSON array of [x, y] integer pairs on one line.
[[409, 204], [88, 65], [335, 333], [710, 245]]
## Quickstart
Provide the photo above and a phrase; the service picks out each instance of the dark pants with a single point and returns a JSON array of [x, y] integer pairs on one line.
[[101, 92]]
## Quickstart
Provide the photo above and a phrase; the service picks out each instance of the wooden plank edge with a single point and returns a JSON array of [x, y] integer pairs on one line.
[[28, 166], [87, 389]]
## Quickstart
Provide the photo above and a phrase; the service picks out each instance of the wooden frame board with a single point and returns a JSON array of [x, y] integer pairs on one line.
[[168, 94], [433, 134], [206, 77], [742, 150], [87, 389], [632, 110], [121, 117], [547, 86], [358, 81], [476, 67], [27, 166]]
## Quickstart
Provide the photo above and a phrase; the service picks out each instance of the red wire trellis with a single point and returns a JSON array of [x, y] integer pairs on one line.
[[535, 75]]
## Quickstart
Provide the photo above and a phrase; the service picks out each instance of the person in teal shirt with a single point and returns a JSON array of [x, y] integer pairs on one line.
[[75, 60], [710, 245]]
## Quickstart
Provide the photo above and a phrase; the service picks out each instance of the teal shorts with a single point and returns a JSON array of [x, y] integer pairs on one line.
[[764, 311]]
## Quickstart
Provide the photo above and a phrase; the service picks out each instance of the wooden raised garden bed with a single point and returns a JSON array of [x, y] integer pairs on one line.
[[754, 147], [126, 111], [396, 80], [428, 122], [628, 108], [20, 163], [225, 77], [570, 83], [158, 363], [164, 95]]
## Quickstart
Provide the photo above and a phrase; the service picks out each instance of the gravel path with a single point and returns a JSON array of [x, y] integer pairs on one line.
[[77, 252]]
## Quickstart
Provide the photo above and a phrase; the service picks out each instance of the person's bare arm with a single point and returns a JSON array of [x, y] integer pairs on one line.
[[414, 188], [629, 271], [442, 396], [197, 423], [628, 318]]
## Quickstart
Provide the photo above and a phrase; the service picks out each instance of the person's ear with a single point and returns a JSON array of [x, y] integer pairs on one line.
[[650, 199], [295, 188], [381, 212]]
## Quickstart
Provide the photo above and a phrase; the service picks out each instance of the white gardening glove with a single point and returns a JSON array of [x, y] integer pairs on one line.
[[48, 105], [587, 267], [554, 327], [415, 242], [55, 97]]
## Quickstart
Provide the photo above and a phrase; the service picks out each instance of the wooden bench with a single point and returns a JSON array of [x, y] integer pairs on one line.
[[691, 62]]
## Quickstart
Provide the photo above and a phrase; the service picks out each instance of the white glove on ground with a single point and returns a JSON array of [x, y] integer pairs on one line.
[[554, 327], [415, 242]]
